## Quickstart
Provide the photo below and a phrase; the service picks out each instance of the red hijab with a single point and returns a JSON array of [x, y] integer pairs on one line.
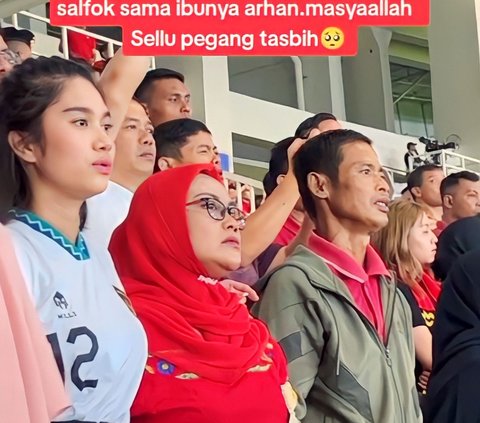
[[198, 326]]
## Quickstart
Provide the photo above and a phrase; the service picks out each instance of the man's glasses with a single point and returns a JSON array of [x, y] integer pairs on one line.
[[10, 56], [217, 210]]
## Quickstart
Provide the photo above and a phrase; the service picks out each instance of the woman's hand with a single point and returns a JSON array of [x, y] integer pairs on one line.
[[242, 290], [423, 379]]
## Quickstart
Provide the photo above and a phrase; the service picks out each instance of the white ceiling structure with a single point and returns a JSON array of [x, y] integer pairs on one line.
[[9, 7]]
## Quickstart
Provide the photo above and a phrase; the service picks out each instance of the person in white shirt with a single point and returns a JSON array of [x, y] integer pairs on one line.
[[133, 163], [57, 151]]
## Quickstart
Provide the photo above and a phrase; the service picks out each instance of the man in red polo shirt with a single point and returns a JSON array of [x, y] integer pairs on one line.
[[344, 327]]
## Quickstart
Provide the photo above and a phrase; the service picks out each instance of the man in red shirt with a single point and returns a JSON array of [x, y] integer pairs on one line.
[[346, 209], [81, 46], [344, 327]]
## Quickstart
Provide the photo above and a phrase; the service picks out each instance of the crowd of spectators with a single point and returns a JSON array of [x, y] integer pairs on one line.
[[154, 292]]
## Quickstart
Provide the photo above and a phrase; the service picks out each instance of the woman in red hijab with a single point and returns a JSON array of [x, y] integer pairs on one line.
[[209, 360]]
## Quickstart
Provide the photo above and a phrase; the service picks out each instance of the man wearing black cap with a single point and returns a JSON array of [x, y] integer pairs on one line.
[[19, 41], [8, 59], [412, 152]]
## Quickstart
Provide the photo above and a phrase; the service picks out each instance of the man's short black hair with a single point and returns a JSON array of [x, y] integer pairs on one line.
[[322, 154], [415, 178], [144, 89], [453, 180], [312, 122], [172, 135], [278, 164]]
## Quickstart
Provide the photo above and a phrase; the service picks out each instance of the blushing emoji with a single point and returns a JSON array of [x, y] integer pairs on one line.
[[332, 38]]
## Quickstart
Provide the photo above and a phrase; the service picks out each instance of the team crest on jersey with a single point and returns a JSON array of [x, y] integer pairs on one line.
[[125, 299], [65, 309]]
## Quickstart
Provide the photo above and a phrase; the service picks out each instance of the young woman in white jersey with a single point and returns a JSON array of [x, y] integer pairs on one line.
[[57, 152]]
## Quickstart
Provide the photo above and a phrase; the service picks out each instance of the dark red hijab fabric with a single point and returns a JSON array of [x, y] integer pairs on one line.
[[196, 325]]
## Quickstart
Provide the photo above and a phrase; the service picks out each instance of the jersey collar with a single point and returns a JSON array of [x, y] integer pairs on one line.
[[78, 250]]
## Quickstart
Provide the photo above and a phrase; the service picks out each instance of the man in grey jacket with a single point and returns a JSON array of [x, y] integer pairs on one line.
[[345, 328]]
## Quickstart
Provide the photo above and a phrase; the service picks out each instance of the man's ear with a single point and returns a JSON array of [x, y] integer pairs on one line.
[[280, 179], [21, 147], [447, 201], [416, 192], [319, 185], [165, 163]]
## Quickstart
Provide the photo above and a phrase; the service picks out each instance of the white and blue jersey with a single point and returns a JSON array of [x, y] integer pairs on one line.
[[99, 345]]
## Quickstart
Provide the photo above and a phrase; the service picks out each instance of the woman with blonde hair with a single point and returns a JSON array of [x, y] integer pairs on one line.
[[408, 246]]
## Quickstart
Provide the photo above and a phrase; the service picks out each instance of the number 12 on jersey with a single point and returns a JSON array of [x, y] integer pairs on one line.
[[79, 360]]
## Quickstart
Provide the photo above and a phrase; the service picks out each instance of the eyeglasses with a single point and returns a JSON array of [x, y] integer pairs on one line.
[[217, 210], [10, 56]]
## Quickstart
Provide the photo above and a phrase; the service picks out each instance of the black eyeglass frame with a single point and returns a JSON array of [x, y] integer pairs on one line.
[[218, 205]]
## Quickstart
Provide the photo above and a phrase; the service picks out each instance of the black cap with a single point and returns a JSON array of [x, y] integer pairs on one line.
[[411, 144], [13, 34]]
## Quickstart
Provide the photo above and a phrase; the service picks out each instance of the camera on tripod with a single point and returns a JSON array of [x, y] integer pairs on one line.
[[432, 145]]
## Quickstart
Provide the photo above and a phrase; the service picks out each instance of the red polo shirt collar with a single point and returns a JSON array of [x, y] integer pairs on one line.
[[361, 281], [345, 264]]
